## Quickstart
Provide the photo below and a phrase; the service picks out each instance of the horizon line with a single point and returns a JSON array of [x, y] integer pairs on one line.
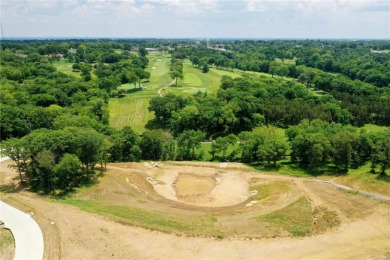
[[183, 38]]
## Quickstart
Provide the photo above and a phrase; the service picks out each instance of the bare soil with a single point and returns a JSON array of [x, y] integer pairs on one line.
[[201, 186], [193, 185], [71, 233]]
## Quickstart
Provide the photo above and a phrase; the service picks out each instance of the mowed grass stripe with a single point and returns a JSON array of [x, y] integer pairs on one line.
[[130, 112], [132, 109], [195, 80]]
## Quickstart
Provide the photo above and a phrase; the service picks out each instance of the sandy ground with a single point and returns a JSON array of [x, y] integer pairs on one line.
[[73, 234], [231, 187]]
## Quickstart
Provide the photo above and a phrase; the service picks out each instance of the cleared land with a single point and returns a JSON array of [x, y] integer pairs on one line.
[[332, 222]]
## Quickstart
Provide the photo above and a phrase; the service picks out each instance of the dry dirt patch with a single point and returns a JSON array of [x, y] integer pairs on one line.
[[202, 186], [193, 185], [84, 235]]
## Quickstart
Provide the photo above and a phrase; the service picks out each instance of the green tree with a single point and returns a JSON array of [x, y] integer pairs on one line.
[[187, 118], [164, 107], [157, 145], [272, 68], [344, 145], [42, 166], [311, 149], [88, 144], [141, 74], [263, 144], [221, 145], [76, 67], [16, 150], [176, 75], [142, 51], [68, 172], [125, 145], [282, 71], [187, 143], [205, 68], [381, 155], [104, 153]]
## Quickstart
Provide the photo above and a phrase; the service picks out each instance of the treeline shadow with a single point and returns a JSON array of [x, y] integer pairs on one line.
[[383, 177], [291, 168], [154, 124], [14, 187]]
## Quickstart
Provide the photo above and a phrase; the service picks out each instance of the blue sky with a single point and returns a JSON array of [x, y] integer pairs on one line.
[[197, 18]]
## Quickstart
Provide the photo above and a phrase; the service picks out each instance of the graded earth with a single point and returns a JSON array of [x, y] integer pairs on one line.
[[133, 194]]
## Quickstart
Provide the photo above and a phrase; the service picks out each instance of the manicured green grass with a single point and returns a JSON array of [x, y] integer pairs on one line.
[[286, 61], [266, 75], [132, 109], [195, 80], [66, 68], [370, 128], [295, 218], [171, 223]]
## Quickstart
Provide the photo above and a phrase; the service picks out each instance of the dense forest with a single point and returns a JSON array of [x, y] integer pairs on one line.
[[308, 109]]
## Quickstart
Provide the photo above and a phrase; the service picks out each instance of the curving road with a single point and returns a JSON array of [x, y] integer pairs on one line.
[[27, 234]]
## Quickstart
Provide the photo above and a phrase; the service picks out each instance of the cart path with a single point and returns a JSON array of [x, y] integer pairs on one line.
[[161, 89]]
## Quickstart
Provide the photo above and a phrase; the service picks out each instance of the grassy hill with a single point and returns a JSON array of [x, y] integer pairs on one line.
[[195, 80], [132, 109]]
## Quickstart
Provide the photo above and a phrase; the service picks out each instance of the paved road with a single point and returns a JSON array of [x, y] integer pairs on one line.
[[2, 159], [372, 195], [27, 234]]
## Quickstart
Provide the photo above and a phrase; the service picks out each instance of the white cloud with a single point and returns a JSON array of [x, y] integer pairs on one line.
[[229, 18], [313, 5], [183, 6]]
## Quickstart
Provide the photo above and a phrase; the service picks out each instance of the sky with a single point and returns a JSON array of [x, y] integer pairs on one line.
[[346, 19]]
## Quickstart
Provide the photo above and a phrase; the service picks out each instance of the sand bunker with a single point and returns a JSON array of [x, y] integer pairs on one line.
[[190, 185], [202, 186]]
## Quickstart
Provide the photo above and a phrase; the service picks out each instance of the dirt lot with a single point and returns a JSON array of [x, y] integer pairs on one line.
[[71, 233]]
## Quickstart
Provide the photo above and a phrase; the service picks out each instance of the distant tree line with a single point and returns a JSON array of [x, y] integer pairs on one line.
[[353, 75]]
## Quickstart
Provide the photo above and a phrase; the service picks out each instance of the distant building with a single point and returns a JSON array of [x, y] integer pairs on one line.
[[72, 51], [151, 49], [58, 55], [23, 56]]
